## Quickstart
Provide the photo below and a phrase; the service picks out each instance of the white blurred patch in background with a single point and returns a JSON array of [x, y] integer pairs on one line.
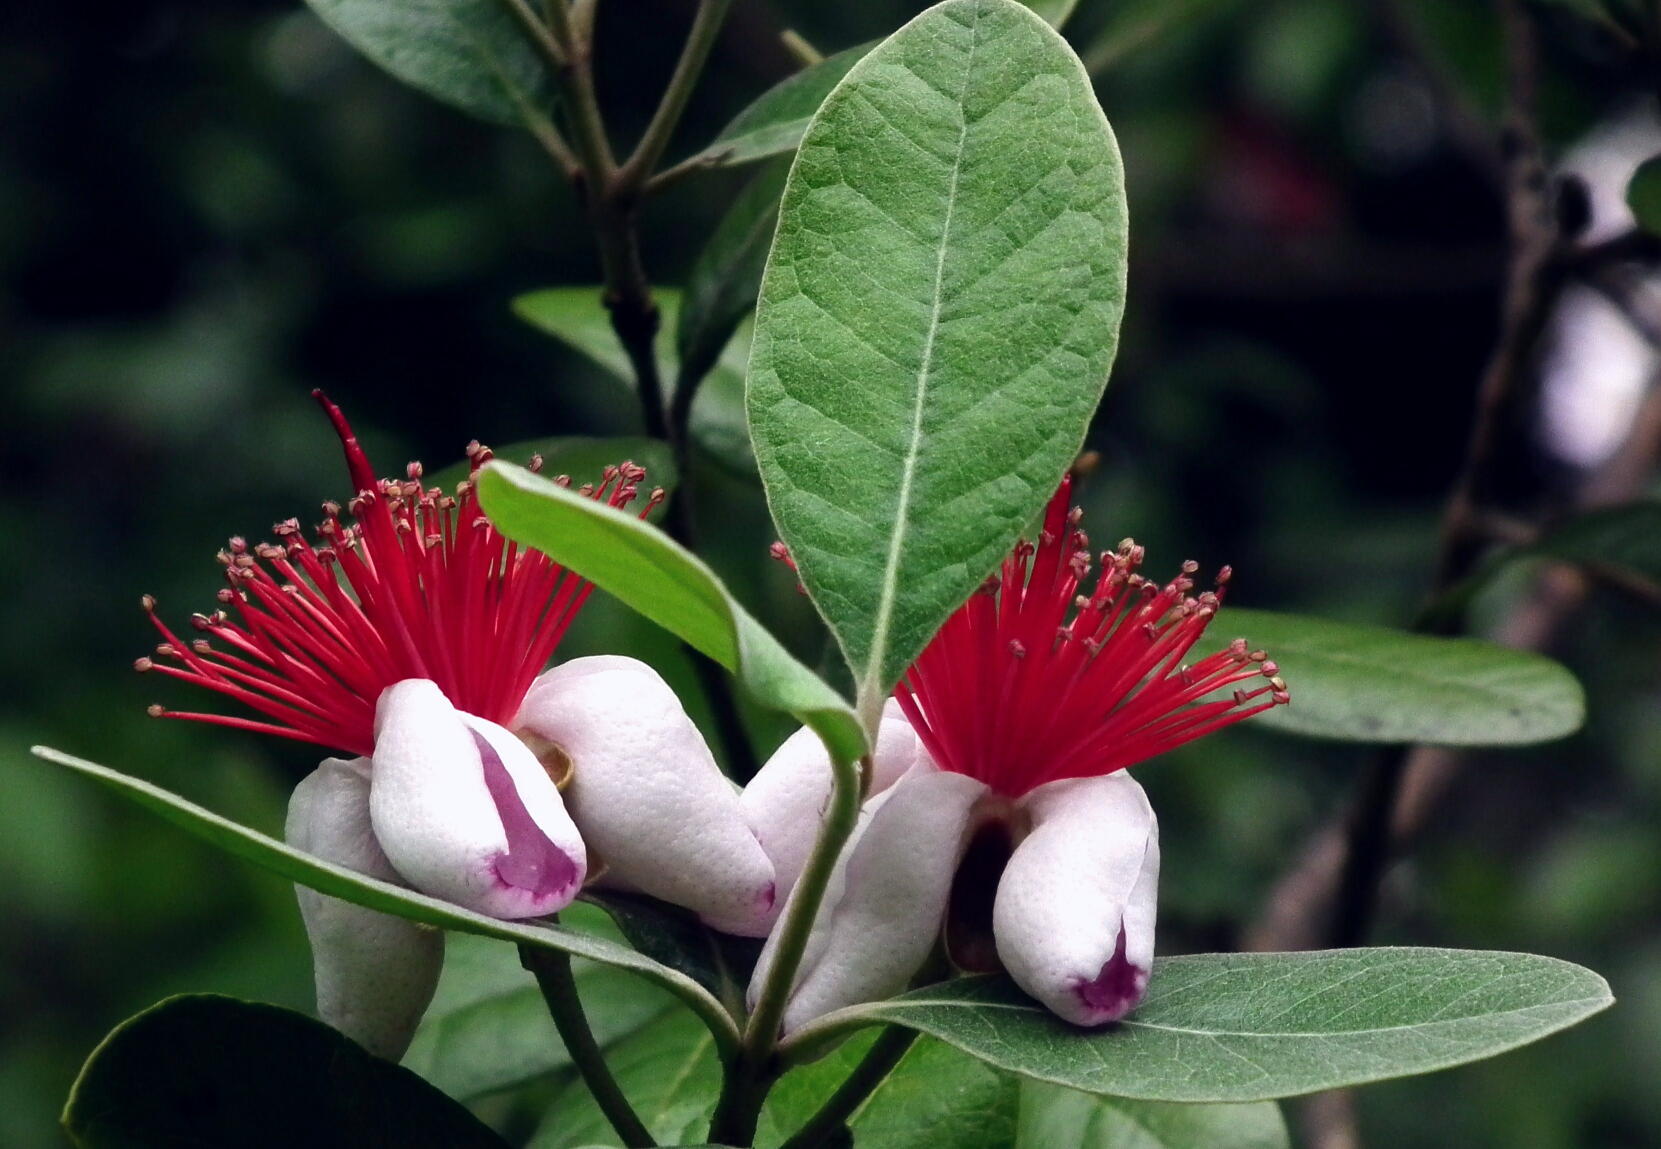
[[1596, 366]]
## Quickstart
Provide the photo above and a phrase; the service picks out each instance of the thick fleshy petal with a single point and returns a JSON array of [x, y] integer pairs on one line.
[[652, 804], [881, 915], [466, 812], [375, 972], [1074, 915], [786, 800]]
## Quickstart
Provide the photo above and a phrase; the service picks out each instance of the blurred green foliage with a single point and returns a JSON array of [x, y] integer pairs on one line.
[[208, 209]]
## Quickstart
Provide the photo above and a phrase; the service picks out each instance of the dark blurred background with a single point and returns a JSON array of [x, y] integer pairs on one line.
[[206, 210]]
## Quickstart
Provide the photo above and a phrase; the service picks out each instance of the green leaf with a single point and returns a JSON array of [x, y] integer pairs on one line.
[[937, 320], [1643, 195], [488, 1027], [1624, 539], [721, 291], [666, 933], [1056, 1118], [1254, 1027], [583, 458], [670, 1073], [351, 886], [775, 123], [577, 317], [645, 569], [208, 1070], [935, 1096], [1371, 684], [469, 53]]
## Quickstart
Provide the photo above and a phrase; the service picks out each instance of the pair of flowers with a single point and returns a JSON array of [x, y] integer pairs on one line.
[[414, 636]]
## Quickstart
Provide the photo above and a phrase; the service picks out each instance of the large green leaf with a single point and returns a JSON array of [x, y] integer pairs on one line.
[[721, 290], [1254, 1027], [577, 317], [204, 1070], [1056, 1118], [937, 320], [351, 886], [775, 123], [1371, 684], [936, 1096], [645, 569], [468, 53], [670, 1074], [488, 1026]]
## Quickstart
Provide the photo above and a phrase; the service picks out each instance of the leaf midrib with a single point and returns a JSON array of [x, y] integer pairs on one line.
[[1305, 1034], [873, 685]]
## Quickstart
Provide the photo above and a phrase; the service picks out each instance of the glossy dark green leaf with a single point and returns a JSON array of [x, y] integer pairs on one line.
[[576, 317], [1255, 1027], [488, 1026], [1057, 1118], [203, 1070], [351, 886], [937, 321], [647, 570], [721, 291], [469, 53], [1372, 684], [718, 962], [1643, 195]]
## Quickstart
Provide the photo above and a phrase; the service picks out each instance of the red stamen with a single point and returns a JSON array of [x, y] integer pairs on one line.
[[1016, 693], [421, 585]]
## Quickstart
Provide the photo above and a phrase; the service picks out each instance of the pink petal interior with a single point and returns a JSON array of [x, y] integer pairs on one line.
[[1114, 991], [532, 862]]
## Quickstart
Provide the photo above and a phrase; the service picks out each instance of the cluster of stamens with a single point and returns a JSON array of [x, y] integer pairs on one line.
[[1034, 680], [415, 583]]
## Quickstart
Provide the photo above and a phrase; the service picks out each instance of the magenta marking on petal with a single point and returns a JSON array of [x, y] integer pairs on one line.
[[767, 898], [1116, 990], [532, 862]]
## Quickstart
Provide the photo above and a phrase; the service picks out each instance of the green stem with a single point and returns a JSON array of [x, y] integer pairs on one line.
[[552, 970], [756, 1066], [872, 1069], [706, 27]]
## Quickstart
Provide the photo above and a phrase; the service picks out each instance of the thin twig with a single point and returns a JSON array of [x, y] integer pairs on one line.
[[552, 970], [706, 27]]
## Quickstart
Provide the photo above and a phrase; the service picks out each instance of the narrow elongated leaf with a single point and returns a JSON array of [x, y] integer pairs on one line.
[[1056, 1118], [488, 1026], [721, 291], [575, 316], [209, 1070], [1625, 538], [348, 885], [1372, 684], [775, 123], [1255, 1027], [937, 320], [645, 569], [468, 53], [1054, 12]]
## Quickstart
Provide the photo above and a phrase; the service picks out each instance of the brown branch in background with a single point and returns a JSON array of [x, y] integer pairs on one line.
[[1331, 895]]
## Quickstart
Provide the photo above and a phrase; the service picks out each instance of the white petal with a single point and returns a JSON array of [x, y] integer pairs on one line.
[[375, 972], [882, 915], [1074, 915], [464, 810], [652, 804], [786, 800]]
